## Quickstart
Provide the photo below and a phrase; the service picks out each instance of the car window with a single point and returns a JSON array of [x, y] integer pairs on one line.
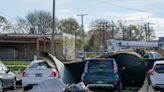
[[100, 64], [152, 56], [146, 56], [1, 68], [158, 56], [160, 68], [39, 65], [4, 67]]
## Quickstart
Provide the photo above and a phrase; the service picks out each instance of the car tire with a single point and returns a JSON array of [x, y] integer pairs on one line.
[[25, 88], [120, 87], [155, 89], [1, 86], [14, 84]]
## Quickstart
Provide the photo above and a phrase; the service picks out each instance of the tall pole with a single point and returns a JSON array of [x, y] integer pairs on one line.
[[148, 30], [82, 25], [113, 33], [146, 33], [53, 28]]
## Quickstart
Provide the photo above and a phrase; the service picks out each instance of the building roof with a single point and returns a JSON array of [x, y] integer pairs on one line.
[[22, 38]]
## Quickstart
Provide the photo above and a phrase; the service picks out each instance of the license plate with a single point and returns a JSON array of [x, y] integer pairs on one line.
[[100, 82], [38, 75]]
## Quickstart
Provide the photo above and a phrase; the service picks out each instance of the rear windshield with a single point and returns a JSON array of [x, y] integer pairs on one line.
[[100, 64], [158, 56], [39, 65], [160, 68]]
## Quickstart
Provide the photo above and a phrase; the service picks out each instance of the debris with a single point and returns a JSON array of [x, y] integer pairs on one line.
[[51, 85], [80, 87]]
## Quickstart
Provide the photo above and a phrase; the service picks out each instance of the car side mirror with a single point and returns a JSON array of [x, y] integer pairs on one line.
[[7, 71]]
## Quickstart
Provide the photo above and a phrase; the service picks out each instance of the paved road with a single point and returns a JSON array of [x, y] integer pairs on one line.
[[19, 89], [145, 88]]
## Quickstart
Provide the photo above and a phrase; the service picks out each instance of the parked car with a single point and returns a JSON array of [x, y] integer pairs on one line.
[[152, 55], [156, 76], [101, 74], [7, 78], [38, 71]]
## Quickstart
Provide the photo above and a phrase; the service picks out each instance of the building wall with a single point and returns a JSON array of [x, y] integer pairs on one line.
[[17, 51], [14, 50]]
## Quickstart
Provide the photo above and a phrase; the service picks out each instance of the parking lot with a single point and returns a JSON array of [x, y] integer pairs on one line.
[[145, 88]]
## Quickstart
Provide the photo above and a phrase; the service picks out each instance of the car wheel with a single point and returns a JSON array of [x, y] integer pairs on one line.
[[120, 87], [14, 84], [25, 88], [1, 86], [155, 89]]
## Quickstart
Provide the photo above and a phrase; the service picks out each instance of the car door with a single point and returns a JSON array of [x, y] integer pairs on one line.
[[159, 74], [3, 76], [8, 76]]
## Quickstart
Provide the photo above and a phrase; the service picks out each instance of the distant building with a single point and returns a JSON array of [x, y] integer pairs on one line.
[[119, 45], [161, 42], [25, 47]]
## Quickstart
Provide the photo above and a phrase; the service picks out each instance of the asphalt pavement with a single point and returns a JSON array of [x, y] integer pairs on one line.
[[145, 88]]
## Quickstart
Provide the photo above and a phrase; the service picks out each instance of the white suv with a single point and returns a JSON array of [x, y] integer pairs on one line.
[[156, 75]]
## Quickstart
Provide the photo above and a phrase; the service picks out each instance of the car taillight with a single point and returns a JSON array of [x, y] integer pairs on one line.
[[53, 74], [85, 83], [24, 74], [115, 68], [152, 70], [115, 85]]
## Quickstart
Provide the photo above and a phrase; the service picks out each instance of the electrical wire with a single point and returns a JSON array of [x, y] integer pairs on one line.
[[128, 8]]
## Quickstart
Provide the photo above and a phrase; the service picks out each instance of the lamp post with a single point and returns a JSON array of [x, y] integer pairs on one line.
[[82, 25], [53, 28]]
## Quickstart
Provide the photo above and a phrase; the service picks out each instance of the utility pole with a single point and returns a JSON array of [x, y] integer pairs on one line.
[[53, 28], [103, 34], [113, 33], [82, 25], [148, 31]]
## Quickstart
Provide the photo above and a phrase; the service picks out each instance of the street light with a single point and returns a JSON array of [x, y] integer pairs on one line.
[[53, 28], [82, 19]]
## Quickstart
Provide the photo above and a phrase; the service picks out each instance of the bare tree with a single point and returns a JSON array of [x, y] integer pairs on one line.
[[22, 26], [41, 21], [101, 30], [5, 25]]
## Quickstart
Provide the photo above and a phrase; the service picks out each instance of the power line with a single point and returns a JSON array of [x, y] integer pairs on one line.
[[128, 8]]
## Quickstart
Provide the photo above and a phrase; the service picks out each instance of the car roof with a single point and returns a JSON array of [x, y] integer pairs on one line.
[[100, 59], [37, 61], [159, 62], [152, 52]]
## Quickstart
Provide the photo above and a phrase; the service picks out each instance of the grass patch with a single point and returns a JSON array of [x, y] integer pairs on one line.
[[16, 62], [16, 66]]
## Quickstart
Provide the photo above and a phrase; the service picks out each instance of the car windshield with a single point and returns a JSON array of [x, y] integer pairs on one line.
[[39, 65], [157, 56], [160, 68], [100, 64]]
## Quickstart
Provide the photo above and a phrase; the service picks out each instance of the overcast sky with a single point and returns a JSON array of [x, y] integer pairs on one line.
[[134, 11]]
